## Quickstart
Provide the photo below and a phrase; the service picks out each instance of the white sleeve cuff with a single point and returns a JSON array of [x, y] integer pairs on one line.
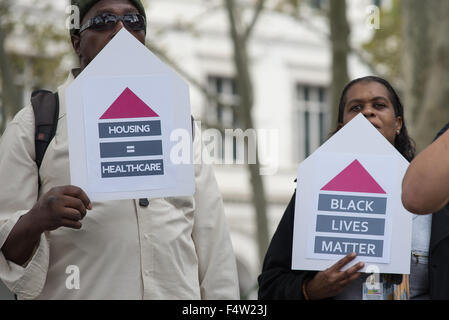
[[27, 281]]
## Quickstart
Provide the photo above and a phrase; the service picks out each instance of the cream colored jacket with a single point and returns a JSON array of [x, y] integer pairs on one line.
[[176, 248]]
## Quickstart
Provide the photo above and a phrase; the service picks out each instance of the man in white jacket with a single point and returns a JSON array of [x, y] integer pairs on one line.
[[57, 244]]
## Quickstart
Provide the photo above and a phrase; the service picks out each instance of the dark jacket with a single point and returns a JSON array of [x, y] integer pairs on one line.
[[439, 251], [439, 255]]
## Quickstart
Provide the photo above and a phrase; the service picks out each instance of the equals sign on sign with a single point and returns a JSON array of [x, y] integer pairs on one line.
[[130, 149]]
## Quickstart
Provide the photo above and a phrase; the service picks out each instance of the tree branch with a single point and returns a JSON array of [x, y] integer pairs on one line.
[[356, 51], [187, 26], [359, 54], [257, 11]]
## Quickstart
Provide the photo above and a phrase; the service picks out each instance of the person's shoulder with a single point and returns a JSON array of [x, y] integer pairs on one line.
[[24, 118], [20, 131]]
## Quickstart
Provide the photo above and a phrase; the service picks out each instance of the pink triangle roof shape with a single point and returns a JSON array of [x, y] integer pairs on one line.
[[128, 105], [354, 178]]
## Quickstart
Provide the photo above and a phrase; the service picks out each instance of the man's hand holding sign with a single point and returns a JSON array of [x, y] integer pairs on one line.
[[60, 207]]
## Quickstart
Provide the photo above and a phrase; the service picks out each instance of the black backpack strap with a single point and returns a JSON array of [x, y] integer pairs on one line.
[[46, 111]]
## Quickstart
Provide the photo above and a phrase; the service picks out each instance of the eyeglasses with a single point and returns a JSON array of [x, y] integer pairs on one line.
[[108, 21]]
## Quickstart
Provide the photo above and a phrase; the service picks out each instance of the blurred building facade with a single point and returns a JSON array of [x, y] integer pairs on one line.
[[290, 68]]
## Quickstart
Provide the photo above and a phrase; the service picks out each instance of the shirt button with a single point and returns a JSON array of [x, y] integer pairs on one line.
[[146, 273], [146, 236], [144, 202]]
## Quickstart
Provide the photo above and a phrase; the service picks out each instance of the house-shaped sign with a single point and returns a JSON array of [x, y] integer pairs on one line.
[[348, 199], [124, 117]]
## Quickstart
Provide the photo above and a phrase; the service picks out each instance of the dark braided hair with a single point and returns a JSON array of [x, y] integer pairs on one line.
[[403, 143]]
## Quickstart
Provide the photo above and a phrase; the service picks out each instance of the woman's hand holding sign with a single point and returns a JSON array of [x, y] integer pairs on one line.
[[332, 281]]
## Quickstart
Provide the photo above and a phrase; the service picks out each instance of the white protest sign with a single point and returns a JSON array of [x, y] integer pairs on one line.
[[348, 199], [122, 110]]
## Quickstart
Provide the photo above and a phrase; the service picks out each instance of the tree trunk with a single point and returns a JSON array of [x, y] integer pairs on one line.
[[245, 90], [339, 39], [426, 61], [415, 30]]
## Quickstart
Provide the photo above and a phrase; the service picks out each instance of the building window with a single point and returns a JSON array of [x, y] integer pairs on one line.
[[226, 89], [311, 120], [223, 116]]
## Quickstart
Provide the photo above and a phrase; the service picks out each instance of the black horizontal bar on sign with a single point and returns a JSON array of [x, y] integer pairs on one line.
[[130, 149], [352, 204], [129, 129], [132, 168]]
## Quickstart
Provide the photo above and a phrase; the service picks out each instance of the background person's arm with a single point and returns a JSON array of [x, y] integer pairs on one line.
[[425, 188]]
